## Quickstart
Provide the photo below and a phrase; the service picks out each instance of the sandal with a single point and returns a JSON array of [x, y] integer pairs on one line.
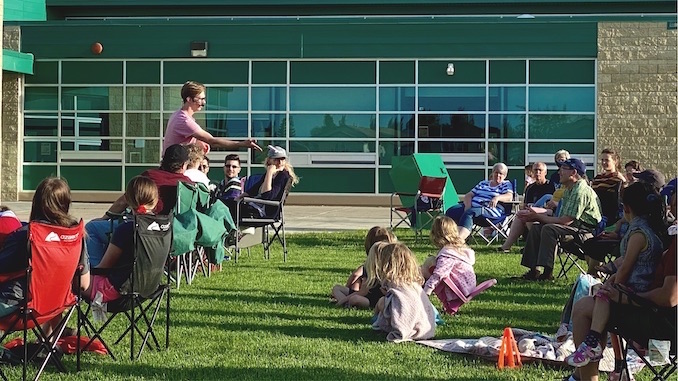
[[504, 251]]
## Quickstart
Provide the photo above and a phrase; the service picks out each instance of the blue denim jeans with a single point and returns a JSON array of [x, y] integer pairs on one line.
[[98, 235]]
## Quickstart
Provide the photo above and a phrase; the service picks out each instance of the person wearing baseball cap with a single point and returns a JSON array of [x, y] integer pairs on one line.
[[652, 177], [578, 215]]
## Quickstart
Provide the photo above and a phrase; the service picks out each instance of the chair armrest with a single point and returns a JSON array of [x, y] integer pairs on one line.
[[259, 201]]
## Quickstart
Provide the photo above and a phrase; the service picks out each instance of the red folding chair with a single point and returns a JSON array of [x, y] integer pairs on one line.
[[428, 203], [53, 258]]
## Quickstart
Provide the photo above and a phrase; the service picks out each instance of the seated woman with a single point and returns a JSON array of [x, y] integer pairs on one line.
[[482, 200], [141, 196], [51, 203], [607, 185], [271, 185], [195, 157]]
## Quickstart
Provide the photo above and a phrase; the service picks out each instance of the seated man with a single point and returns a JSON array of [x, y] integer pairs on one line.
[[166, 178], [230, 188], [578, 215], [534, 192]]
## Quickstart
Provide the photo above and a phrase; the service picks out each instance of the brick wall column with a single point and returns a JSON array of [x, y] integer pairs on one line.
[[12, 122], [638, 93]]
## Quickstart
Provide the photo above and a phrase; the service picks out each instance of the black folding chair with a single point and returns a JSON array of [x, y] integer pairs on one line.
[[272, 221], [664, 322], [142, 293], [572, 250]]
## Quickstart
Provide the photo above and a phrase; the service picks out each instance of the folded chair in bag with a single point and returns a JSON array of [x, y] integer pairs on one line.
[[663, 325], [273, 220], [53, 257], [142, 293], [451, 296], [499, 225], [428, 203], [571, 250]]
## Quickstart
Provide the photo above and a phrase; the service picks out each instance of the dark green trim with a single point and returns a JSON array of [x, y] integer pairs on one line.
[[17, 62], [322, 39]]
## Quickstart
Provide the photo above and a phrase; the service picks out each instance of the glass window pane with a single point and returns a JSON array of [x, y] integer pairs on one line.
[[570, 99], [396, 99], [143, 72], [339, 146], [465, 179], [507, 99], [451, 99], [40, 152], [269, 99], [44, 73], [451, 125], [91, 98], [396, 72], [270, 125], [41, 124], [449, 146], [131, 171], [143, 98], [80, 177], [171, 98], [385, 182], [41, 98], [334, 125], [511, 153], [34, 174], [573, 148], [333, 99], [506, 72], [146, 124], [92, 143], [224, 125], [396, 126], [226, 99], [337, 72], [91, 72], [507, 126], [269, 72], [91, 124], [562, 72], [389, 149], [464, 72], [139, 151], [562, 126], [226, 72]]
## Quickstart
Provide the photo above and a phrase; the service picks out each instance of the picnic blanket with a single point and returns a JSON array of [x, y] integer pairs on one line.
[[533, 347]]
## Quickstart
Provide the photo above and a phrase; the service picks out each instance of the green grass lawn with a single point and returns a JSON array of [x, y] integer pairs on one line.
[[268, 320]]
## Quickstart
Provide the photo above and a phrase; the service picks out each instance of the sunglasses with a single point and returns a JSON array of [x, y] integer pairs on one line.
[[231, 166]]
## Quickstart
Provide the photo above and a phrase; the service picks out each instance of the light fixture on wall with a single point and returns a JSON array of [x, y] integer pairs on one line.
[[198, 48], [450, 69]]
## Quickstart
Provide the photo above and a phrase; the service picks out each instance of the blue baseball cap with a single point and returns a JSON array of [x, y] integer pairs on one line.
[[573, 163]]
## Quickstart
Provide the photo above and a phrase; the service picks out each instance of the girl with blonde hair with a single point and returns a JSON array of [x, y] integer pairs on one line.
[[454, 260], [356, 292], [405, 312]]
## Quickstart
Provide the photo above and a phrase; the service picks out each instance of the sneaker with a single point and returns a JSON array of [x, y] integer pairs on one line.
[[620, 376], [584, 355]]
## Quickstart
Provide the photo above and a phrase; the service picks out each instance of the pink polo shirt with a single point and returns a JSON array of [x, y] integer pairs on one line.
[[180, 130]]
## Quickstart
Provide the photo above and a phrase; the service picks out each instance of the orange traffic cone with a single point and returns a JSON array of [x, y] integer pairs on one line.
[[508, 351]]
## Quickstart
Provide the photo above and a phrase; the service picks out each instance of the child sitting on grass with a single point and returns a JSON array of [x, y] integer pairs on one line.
[[356, 293], [641, 249], [454, 260], [405, 312]]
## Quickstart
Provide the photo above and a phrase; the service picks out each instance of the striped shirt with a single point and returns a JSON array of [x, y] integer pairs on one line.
[[483, 193]]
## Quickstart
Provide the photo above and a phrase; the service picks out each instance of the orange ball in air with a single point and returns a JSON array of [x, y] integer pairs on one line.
[[97, 48]]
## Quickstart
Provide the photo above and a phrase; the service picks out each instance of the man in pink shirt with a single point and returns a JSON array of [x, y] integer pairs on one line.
[[183, 129]]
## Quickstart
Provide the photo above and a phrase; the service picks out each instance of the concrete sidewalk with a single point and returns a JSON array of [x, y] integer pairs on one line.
[[298, 218]]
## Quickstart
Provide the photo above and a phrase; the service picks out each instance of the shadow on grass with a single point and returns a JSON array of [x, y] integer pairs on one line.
[[263, 296]]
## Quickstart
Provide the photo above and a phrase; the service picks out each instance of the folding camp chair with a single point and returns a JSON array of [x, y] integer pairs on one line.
[[428, 203], [274, 221], [452, 296], [54, 254], [142, 293], [571, 250], [663, 321], [500, 225]]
